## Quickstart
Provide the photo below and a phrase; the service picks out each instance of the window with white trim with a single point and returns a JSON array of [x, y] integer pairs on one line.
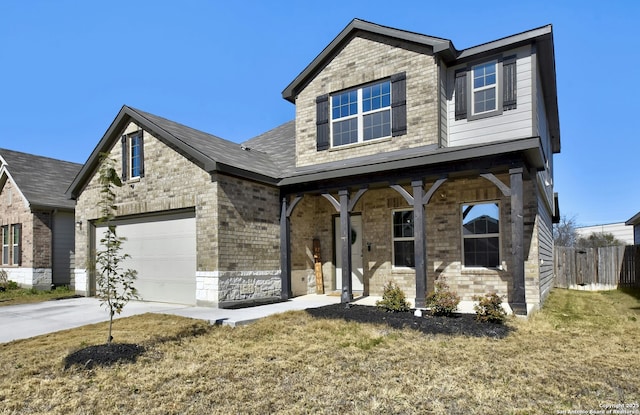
[[484, 88], [16, 236], [481, 235], [133, 155], [403, 239], [135, 159], [5, 244], [361, 114]]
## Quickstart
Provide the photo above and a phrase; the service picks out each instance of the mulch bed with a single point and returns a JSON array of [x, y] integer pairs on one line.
[[455, 325], [103, 355]]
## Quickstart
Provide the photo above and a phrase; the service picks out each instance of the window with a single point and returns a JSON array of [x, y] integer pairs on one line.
[[481, 235], [484, 87], [133, 155], [362, 114], [487, 88], [16, 238], [403, 239], [5, 245], [135, 142]]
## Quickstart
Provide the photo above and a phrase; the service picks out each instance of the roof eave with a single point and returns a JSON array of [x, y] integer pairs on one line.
[[245, 174], [635, 220], [531, 148]]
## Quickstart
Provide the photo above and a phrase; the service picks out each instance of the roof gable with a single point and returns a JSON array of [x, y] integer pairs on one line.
[[357, 27], [42, 181], [209, 152]]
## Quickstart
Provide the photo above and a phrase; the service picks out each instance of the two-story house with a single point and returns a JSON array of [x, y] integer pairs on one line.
[[36, 219], [408, 160]]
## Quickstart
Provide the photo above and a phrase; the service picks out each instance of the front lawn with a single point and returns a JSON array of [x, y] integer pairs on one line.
[[13, 296], [579, 353]]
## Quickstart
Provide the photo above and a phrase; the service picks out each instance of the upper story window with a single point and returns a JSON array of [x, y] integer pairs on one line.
[[481, 235], [133, 155], [362, 114], [403, 239], [486, 89], [358, 115]]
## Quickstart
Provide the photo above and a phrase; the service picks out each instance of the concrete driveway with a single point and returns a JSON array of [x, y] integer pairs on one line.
[[29, 320]]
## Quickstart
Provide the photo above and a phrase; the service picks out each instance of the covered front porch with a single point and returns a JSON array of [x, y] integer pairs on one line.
[[407, 226]]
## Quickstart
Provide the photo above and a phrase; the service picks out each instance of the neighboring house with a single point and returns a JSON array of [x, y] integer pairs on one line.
[[621, 231], [635, 222], [36, 219], [408, 160]]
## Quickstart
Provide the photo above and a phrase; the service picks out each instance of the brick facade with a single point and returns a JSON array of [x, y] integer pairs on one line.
[[34, 269], [366, 60], [236, 220]]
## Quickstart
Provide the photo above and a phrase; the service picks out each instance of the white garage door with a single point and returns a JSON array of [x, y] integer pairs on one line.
[[163, 251]]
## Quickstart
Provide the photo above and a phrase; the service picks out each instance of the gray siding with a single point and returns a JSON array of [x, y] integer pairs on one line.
[[517, 123], [63, 247], [545, 249], [442, 85]]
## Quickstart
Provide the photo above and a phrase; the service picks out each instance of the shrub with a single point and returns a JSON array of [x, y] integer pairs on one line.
[[3, 280], [5, 283], [442, 301], [393, 299], [489, 308]]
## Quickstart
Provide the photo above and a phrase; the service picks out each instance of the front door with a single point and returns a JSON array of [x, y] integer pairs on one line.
[[357, 276]]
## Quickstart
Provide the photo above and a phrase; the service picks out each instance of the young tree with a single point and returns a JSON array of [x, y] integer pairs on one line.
[[114, 284]]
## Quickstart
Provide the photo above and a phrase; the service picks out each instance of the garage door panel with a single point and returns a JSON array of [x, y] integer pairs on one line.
[[163, 252]]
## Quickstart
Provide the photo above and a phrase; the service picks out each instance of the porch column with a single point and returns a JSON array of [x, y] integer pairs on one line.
[[285, 247], [345, 236], [285, 252], [419, 245], [519, 305]]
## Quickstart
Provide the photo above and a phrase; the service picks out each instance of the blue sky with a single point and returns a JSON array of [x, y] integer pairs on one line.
[[67, 67]]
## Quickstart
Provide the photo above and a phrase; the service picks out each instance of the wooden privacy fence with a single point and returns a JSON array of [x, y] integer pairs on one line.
[[604, 268]]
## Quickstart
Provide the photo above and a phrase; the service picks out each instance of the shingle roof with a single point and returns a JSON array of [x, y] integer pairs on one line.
[[208, 151], [216, 149], [42, 180], [280, 144]]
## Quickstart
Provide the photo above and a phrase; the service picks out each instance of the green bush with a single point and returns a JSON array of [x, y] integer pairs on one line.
[[442, 301], [393, 299], [5, 283], [489, 308]]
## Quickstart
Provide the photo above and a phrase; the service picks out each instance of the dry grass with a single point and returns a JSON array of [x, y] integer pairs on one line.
[[581, 352]]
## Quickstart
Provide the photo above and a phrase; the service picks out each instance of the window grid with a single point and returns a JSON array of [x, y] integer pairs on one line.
[[15, 252], [362, 114], [403, 238], [484, 87]]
